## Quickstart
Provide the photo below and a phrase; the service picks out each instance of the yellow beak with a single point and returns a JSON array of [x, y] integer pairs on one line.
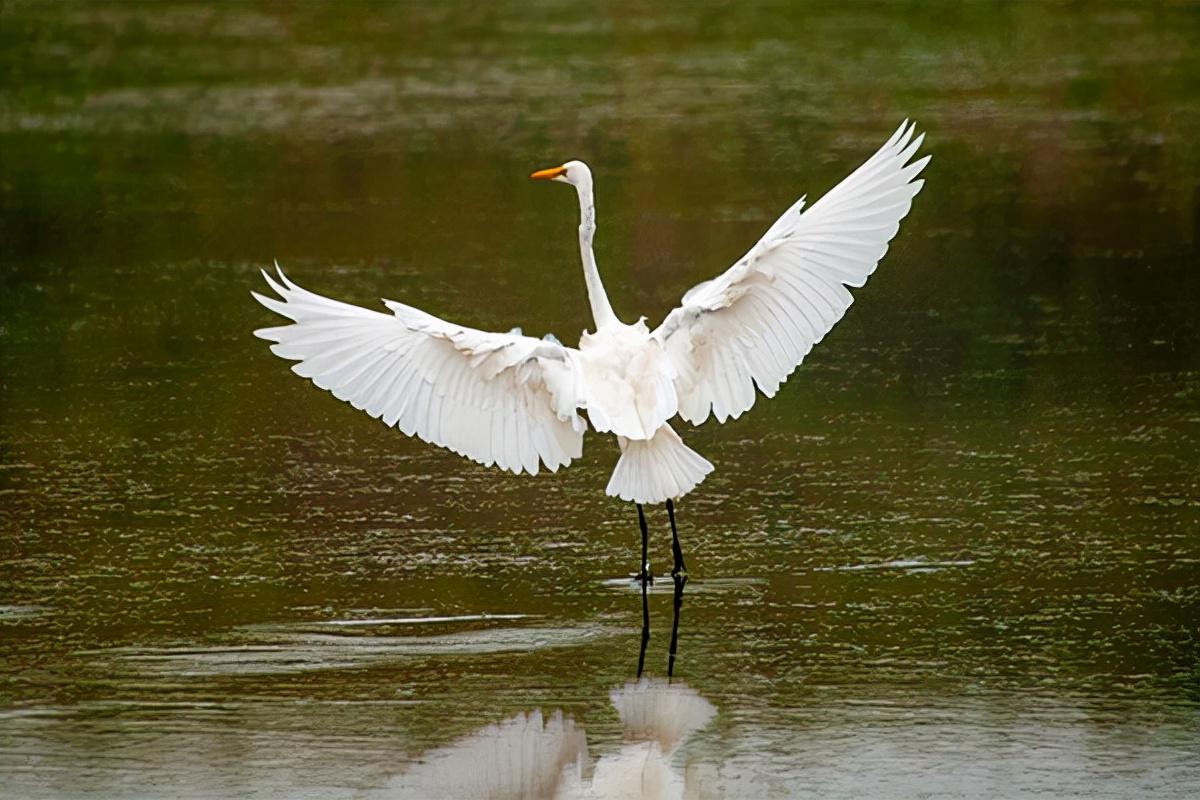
[[548, 174]]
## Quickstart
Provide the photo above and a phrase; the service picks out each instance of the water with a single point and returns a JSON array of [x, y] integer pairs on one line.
[[958, 555]]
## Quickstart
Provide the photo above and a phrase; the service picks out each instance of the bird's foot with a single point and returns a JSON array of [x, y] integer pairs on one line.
[[645, 577], [679, 569]]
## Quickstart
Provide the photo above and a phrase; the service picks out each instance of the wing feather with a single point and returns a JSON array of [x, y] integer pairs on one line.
[[496, 398], [753, 325]]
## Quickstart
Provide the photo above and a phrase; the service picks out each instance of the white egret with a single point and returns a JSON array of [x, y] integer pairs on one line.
[[514, 401]]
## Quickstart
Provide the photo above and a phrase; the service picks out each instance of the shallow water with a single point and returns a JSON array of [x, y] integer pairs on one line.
[[958, 555]]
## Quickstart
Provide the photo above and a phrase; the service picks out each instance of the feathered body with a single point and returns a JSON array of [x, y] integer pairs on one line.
[[514, 401], [629, 389]]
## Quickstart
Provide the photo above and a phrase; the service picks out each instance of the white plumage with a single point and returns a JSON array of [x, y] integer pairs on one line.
[[513, 401], [496, 398]]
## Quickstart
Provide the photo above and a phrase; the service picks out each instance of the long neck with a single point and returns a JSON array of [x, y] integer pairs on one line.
[[602, 311]]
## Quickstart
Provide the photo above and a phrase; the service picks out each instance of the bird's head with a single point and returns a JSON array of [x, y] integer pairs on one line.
[[575, 173]]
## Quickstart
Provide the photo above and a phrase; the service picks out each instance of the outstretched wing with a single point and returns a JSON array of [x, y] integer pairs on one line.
[[755, 323], [496, 398]]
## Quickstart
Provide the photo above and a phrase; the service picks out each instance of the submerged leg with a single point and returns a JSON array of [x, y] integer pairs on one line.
[[644, 573], [675, 548]]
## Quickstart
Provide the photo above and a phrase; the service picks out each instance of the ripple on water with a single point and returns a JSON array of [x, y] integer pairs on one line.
[[906, 565], [663, 584], [21, 613], [422, 620], [309, 646]]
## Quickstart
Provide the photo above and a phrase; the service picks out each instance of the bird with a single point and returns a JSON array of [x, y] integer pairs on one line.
[[520, 403]]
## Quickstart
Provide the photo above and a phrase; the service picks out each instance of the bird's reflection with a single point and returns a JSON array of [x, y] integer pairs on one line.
[[532, 755], [673, 650], [680, 582]]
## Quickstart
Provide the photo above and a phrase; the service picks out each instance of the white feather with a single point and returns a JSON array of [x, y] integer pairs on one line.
[[657, 469], [434, 379], [754, 324]]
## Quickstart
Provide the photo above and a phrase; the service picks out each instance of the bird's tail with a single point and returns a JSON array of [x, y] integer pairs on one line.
[[657, 469]]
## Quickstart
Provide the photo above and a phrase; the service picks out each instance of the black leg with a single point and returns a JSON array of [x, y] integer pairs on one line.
[[644, 573], [675, 548], [680, 582], [645, 628]]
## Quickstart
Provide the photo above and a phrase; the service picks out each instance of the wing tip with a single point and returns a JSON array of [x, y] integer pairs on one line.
[[275, 286], [283, 277]]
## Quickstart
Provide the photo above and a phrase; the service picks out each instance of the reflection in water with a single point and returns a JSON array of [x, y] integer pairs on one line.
[[680, 581], [178, 736], [532, 756], [524, 756], [657, 718]]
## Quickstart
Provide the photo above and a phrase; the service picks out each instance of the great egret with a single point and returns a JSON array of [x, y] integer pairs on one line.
[[514, 401]]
